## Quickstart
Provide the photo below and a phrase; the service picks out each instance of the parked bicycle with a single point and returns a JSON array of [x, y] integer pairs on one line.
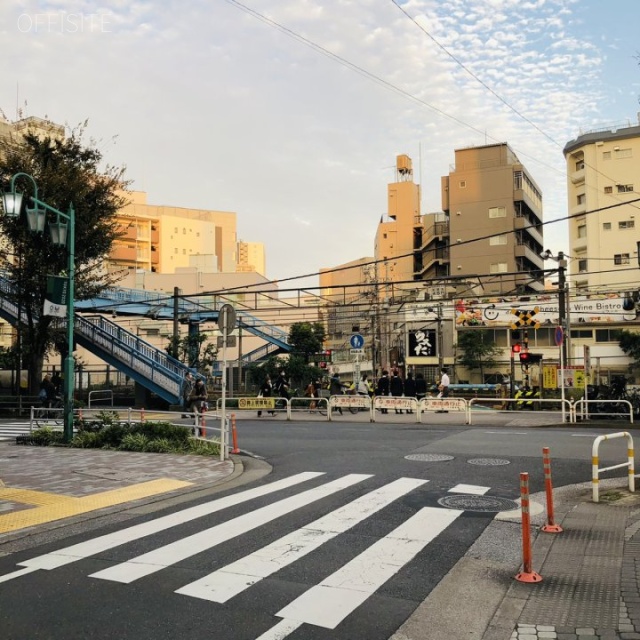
[[49, 413], [604, 398]]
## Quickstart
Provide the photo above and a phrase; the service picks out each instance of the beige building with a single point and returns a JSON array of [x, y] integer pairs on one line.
[[163, 239], [603, 171], [251, 257], [494, 209]]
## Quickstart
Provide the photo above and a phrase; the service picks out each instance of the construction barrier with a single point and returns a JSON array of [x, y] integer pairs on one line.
[[596, 471], [444, 405], [550, 526], [527, 574]]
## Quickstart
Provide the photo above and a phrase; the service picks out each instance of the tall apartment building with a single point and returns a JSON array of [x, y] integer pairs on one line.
[[494, 210], [163, 239], [603, 180]]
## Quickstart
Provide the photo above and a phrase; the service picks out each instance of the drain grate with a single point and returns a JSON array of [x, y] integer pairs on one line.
[[428, 457], [489, 462], [485, 504]]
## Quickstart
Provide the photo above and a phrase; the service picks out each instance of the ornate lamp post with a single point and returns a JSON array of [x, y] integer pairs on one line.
[[62, 233]]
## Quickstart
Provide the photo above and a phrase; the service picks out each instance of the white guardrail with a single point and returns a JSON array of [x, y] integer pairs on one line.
[[565, 405], [596, 471]]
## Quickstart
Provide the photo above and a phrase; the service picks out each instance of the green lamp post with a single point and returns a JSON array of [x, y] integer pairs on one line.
[[62, 233]]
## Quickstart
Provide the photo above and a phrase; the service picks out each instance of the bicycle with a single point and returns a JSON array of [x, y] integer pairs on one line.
[[49, 414]]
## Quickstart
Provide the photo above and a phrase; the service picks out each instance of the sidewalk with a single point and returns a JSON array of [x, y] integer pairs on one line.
[[44, 485], [590, 587]]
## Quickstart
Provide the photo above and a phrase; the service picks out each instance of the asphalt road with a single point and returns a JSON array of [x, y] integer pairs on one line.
[[341, 541]]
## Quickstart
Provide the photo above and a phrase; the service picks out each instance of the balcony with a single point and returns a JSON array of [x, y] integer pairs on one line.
[[577, 176], [522, 224]]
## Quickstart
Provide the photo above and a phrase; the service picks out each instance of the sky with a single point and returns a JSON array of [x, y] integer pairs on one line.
[[291, 113]]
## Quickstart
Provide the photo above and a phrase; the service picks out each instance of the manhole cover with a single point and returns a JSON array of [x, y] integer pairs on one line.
[[489, 462], [428, 457], [477, 503]]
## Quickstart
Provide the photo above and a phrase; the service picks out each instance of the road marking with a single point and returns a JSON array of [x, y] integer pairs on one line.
[[111, 540], [17, 574], [281, 630], [331, 601], [162, 557], [472, 489], [508, 433], [224, 584]]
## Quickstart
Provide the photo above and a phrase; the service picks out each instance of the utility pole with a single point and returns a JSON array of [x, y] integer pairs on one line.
[[563, 307], [440, 339]]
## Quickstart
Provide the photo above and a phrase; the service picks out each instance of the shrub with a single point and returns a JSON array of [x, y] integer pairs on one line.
[[203, 447], [46, 436], [160, 445], [87, 440], [174, 433], [134, 442]]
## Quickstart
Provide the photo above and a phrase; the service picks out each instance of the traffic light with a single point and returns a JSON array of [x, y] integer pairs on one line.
[[516, 348], [530, 358]]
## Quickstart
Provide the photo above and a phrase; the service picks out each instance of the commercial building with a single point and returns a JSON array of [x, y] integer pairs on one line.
[[603, 180]]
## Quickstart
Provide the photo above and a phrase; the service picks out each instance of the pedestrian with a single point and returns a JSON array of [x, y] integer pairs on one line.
[[47, 393], [198, 397], [57, 381], [396, 387], [187, 389], [336, 388], [443, 387], [382, 388], [281, 386], [266, 391], [310, 392], [421, 387], [363, 385], [410, 388]]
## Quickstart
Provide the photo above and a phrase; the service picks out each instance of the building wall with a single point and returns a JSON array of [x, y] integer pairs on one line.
[[251, 257], [603, 170], [484, 200]]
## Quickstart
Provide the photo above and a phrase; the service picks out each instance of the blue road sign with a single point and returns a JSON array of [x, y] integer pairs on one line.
[[357, 341], [559, 336]]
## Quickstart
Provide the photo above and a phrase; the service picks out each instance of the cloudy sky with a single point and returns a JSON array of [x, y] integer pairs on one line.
[[291, 112]]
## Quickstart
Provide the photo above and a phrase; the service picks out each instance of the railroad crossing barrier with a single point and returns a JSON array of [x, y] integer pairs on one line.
[[445, 405], [596, 471], [581, 407], [566, 405]]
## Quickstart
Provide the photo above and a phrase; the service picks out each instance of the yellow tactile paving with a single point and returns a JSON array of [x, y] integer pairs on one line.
[[27, 496], [66, 506]]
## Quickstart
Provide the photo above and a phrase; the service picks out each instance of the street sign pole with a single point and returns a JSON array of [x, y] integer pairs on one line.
[[559, 337], [226, 324]]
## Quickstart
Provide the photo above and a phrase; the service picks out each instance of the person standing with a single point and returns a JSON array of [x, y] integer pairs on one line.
[[396, 387], [198, 397], [281, 386], [383, 387], [336, 388], [443, 387], [266, 391], [410, 388], [421, 387]]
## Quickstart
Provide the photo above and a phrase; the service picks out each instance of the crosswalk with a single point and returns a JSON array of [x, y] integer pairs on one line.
[[342, 503], [9, 430]]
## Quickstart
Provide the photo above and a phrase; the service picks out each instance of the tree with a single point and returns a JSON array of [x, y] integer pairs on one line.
[[478, 351], [630, 344], [67, 172], [194, 351], [298, 372], [306, 338]]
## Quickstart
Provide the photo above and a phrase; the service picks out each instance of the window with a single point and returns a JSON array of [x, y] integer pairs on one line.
[[582, 333], [626, 224], [608, 335], [384, 236], [495, 240], [497, 212], [606, 226], [580, 165], [582, 266], [184, 252], [625, 188], [622, 153], [498, 267], [621, 258], [606, 155], [582, 231], [608, 189], [176, 230], [581, 198], [463, 184]]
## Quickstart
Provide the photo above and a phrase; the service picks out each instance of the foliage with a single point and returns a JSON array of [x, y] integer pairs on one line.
[[630, 344], [67, 171], [298, 372], [45, 437], [133, 442], [306, 339], [194, 351], [478, 351]]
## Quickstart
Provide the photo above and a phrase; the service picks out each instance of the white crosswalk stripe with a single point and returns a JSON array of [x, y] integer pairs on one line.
[[325, 604]]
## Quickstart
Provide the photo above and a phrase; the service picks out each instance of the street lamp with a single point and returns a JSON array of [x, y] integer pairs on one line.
[[62, 233]]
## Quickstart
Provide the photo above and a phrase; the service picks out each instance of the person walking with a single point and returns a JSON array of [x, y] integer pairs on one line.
[[410, 388], [47, 392], [266, 391], [281, 386], [382, 388], [310, 392], [396, 386], [336, 388], [198, 397], [443, 387]]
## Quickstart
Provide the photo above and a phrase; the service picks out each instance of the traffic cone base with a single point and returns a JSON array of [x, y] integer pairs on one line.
[[552, 528], [528, 576]]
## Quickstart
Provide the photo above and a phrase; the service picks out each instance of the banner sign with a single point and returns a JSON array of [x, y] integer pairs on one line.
[[55, 304], [501, 312], [422, 343], [256, 403]]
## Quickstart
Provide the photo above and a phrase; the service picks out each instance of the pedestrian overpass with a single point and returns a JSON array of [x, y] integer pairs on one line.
[[144, 363]]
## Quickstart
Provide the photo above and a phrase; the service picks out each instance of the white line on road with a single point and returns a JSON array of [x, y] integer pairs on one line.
[[111, 540], [17, 574], [331, 601], [162, 557], [508, 433], [472, 489], [281, 630], [229, 581]]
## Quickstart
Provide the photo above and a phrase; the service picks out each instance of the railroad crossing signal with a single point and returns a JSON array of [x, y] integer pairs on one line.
[[525, 318]]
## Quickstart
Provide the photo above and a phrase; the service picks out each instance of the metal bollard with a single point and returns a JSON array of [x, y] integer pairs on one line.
[[234, 434], [551, 526]]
